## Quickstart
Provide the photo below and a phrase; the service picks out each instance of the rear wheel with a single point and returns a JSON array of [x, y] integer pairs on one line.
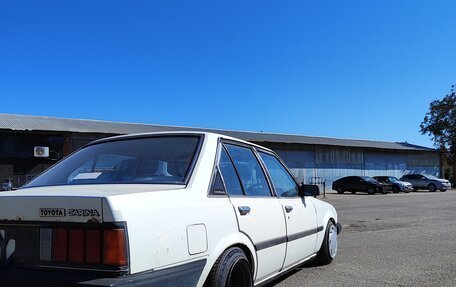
[[432, 187], [328, 250], [340, 190], [232, 268]]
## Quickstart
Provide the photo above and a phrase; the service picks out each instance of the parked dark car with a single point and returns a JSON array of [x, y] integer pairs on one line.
[[427, 181], [360, 183], [396, 184]]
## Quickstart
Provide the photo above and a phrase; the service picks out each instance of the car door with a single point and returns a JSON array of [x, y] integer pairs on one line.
[[363, 184], [417, 180], [258, 212], [422, 181], [409, 178], [349, 183], [300, 215], [358, 184]]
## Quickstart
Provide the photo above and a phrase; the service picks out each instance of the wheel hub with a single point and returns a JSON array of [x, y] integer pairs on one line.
[[332, 241]]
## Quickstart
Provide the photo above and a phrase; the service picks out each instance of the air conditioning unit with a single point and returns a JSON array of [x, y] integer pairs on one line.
[[41, 151]]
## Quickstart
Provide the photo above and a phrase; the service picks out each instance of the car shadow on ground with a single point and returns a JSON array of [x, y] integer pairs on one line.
[[307, 265]]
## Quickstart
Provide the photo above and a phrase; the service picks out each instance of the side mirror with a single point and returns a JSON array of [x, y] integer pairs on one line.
[[308, 190]]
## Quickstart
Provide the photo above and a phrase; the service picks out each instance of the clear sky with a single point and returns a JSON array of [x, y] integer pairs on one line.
[[349, 69]]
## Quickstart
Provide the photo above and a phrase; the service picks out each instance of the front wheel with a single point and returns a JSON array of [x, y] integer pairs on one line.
[[328, 250], [232, 268], [432, 187], [340, 190]]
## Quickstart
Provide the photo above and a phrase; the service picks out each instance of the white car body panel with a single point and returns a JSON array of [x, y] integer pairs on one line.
[[302, 218], [264, 222]]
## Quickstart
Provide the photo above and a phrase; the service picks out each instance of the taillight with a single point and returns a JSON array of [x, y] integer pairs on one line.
[[79, 246], [115, 252], [93, 249], [60, 245], [76, 244]]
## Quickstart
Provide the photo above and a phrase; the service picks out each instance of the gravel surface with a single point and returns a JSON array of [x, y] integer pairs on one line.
[[388, 240]]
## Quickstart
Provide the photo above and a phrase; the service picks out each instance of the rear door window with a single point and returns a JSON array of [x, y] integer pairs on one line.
[[249, 170], [232, 184]]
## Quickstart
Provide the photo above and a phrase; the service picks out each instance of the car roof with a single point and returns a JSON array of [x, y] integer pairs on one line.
[[175, 133]]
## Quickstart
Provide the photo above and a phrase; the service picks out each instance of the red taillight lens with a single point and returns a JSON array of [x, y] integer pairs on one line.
[[115, 247], [60, 245], [76, 246], [93, 249]]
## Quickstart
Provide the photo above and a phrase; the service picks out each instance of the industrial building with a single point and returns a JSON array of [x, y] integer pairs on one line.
[[30, 144]]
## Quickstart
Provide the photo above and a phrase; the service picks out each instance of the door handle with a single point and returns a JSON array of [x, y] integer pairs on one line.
[[244, 210], [288, 208]]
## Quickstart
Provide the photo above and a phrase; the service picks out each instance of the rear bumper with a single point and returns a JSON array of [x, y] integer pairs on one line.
[[183, 275]]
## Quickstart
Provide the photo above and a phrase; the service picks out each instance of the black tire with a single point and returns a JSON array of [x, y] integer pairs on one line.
[[370, 190], [324, 256], [396, 189], [353, 192], [340, 190], [232, 268], [415, 189], [432, 187], [443, 190]]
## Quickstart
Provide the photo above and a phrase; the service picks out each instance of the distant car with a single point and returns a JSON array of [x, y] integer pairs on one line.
[[396, 184], [426, 181], [360, 183]]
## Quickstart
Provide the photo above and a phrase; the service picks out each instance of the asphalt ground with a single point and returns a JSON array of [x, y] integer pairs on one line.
[[388, 240]]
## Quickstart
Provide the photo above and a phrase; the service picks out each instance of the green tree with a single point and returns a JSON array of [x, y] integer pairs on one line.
[[440, 124]]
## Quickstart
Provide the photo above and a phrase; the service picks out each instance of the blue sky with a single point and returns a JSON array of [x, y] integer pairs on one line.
[[350, 69]]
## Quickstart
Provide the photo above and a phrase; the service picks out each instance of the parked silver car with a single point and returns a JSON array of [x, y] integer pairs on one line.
[[426, 181]]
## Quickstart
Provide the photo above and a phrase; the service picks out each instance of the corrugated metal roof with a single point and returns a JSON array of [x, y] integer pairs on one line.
[[42, 123]]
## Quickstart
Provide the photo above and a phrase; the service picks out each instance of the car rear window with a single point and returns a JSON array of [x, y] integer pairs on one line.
[[160, 160]]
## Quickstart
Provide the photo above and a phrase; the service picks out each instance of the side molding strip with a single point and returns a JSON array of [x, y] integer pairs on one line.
[[276, 241]]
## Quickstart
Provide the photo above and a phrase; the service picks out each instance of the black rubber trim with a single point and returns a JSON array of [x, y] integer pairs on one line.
[[179, 276], [270, 243], [280, 240], [304, 233]]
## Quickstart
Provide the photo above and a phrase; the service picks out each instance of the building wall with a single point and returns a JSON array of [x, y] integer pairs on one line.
[[17, 162], [307, 162], [330, 163]]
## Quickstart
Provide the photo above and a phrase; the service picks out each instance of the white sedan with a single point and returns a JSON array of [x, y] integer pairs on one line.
[[163, 209]]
